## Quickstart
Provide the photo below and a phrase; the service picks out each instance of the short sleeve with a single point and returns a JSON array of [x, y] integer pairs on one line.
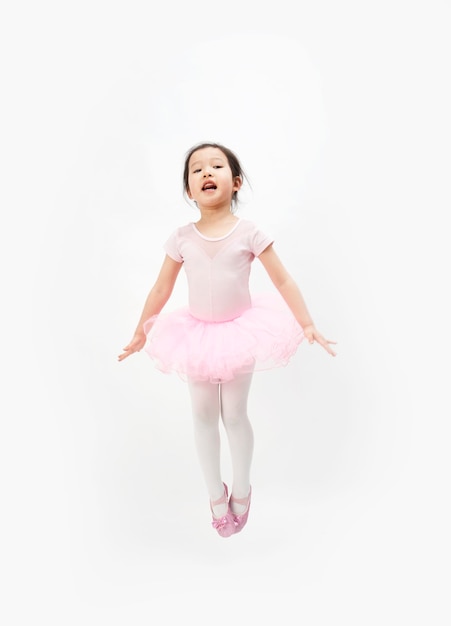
[[259, 241], [171, 247]]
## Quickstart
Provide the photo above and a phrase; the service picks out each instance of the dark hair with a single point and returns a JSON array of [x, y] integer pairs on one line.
[[232, 159]]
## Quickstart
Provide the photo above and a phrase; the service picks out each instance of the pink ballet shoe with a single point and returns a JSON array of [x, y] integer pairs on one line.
[[225, 525], [240, 521]]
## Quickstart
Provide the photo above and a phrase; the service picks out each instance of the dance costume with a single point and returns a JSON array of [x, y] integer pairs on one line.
[[224, 331]]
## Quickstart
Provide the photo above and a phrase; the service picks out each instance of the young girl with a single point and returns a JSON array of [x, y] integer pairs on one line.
[[223, 336]]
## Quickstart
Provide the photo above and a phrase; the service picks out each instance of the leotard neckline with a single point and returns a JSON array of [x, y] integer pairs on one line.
[[215, 238]]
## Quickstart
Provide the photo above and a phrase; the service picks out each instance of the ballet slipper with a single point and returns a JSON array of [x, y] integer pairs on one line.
[[225, 525], [240, 521]]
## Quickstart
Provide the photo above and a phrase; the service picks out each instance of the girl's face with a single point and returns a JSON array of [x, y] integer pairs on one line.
[[210, 180]]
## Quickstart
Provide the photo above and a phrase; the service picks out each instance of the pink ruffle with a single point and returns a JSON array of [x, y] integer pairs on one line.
[[264, 336]]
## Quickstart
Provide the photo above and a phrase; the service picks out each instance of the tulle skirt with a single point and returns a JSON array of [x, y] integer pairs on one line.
[[264, 336]]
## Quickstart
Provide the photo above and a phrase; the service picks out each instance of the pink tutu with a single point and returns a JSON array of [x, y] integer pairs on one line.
[[264, 336]]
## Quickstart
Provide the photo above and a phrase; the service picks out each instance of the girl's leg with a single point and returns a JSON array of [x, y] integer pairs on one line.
[[233, 399], [205, 408]]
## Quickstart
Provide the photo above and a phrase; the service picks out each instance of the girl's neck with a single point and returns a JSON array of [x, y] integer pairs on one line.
[[215, 223], [216, 216]]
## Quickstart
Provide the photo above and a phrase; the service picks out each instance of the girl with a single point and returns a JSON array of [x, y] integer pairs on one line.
[[224, 335]]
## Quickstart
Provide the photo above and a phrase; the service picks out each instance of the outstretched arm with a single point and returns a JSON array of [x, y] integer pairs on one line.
[[292, 295], [157, 298]]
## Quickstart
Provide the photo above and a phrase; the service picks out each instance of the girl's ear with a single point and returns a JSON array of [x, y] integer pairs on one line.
[[237, 183], [188, 193]]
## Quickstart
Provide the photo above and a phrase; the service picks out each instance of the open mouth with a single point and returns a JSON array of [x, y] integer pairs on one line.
[[209, 187]]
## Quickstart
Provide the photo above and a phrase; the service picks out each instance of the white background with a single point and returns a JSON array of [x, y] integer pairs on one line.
[[339, 112]]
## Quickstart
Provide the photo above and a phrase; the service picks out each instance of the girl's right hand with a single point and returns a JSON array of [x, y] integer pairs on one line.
[[135, 345]]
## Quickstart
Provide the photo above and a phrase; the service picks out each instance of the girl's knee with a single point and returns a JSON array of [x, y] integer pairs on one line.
[[234, 419], [205, 416]]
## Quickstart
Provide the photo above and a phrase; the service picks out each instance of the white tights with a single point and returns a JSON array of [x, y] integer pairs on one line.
[[228, 401]]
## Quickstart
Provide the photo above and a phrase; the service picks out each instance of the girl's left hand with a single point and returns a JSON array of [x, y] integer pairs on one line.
[[312, 335]]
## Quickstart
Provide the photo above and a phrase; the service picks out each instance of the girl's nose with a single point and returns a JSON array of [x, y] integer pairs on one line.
[[206, 174]]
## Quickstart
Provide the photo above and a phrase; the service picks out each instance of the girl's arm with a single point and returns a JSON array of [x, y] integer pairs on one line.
[[157, 298], [292, 295]]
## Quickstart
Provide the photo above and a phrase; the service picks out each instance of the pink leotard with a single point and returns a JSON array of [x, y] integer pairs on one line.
[[218, 269]]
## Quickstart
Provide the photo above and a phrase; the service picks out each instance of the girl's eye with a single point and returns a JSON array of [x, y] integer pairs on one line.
[[196, 171], [217, 167]]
